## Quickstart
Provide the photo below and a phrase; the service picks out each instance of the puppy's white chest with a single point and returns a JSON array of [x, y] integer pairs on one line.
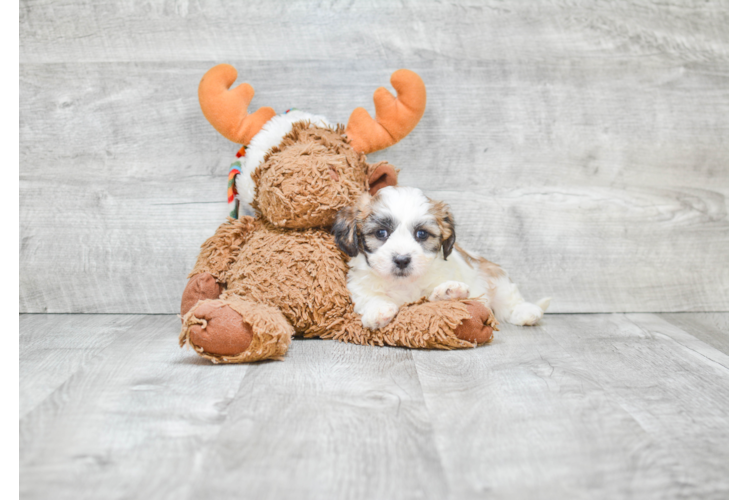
[[406, 292]]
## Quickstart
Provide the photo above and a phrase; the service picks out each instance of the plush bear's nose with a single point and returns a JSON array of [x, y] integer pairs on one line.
[[401, 261]]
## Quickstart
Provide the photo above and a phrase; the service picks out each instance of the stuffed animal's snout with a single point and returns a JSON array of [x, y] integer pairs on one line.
[[305, 185]]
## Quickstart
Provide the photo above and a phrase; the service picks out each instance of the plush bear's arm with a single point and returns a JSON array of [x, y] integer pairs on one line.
[[219, 252], [449, 324]]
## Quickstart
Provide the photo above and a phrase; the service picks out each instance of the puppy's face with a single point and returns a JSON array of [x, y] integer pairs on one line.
[[399, 231]]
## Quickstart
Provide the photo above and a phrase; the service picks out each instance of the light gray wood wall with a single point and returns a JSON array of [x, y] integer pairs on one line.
[[582, 145]]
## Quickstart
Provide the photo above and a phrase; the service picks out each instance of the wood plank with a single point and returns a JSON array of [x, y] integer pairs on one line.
[[295, 30], [123, 247], [332, 421], [674, 393], [738, 440], [711, 328], [127, 247], [143, 418], [584, 147], [131, 422], [737, 323], [488, 126], [584, 406], [54, 347], [603, 249], [655, 325]]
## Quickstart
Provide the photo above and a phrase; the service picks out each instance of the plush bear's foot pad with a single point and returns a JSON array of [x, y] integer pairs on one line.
[[478, 328], [202, 286], [222, 332]]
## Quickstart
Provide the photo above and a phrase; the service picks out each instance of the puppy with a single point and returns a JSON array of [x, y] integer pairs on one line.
[[402, 247]]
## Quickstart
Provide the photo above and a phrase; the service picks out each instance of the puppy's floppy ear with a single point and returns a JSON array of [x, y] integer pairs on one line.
[[449, 243], [346, 232], [382, 175], [446, 222]]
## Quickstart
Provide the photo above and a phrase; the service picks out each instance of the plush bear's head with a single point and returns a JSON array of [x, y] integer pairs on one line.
[[299, 170], [310, 175]]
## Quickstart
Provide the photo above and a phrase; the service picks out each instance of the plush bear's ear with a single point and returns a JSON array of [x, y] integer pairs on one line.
[[382, 175], [346, 232]]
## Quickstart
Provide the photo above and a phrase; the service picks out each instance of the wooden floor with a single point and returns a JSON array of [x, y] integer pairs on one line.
[[584, 406]]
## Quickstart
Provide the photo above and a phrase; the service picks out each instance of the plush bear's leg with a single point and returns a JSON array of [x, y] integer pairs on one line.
[[202, 286], [449, 324], [236, 330]]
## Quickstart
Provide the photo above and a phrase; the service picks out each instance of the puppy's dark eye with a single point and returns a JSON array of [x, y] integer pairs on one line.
[[421, 234], [382, 234]]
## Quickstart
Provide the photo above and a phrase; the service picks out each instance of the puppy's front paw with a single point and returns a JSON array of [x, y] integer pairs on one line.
[[379, 316], [450, 290]]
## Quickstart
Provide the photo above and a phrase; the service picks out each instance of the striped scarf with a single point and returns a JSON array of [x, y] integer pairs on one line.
[[236, 169]]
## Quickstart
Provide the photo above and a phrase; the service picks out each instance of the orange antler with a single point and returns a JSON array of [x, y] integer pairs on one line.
[[396, 117], [226, 109]]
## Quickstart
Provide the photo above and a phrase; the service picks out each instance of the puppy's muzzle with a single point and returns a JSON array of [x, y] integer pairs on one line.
[[401, 261]]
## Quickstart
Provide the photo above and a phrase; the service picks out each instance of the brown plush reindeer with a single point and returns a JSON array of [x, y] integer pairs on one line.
[[259, 281]]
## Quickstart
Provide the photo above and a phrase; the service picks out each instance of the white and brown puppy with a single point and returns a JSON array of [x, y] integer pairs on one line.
[[401, 246]]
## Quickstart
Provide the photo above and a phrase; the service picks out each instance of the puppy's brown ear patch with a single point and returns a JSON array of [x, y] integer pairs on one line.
[[382, 175], [446, 222], [345, 231]]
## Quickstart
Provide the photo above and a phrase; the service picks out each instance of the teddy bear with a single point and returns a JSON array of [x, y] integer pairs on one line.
[[261, 280]]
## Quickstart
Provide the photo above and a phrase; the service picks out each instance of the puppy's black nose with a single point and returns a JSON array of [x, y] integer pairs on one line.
[[401, 261]]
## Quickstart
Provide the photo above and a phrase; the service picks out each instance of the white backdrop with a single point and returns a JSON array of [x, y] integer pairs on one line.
[[583, 146]]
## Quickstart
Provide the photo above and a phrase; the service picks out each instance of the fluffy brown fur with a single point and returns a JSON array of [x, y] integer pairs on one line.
[[446, 222], [282, 274], [293, 186], [489, 268]]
